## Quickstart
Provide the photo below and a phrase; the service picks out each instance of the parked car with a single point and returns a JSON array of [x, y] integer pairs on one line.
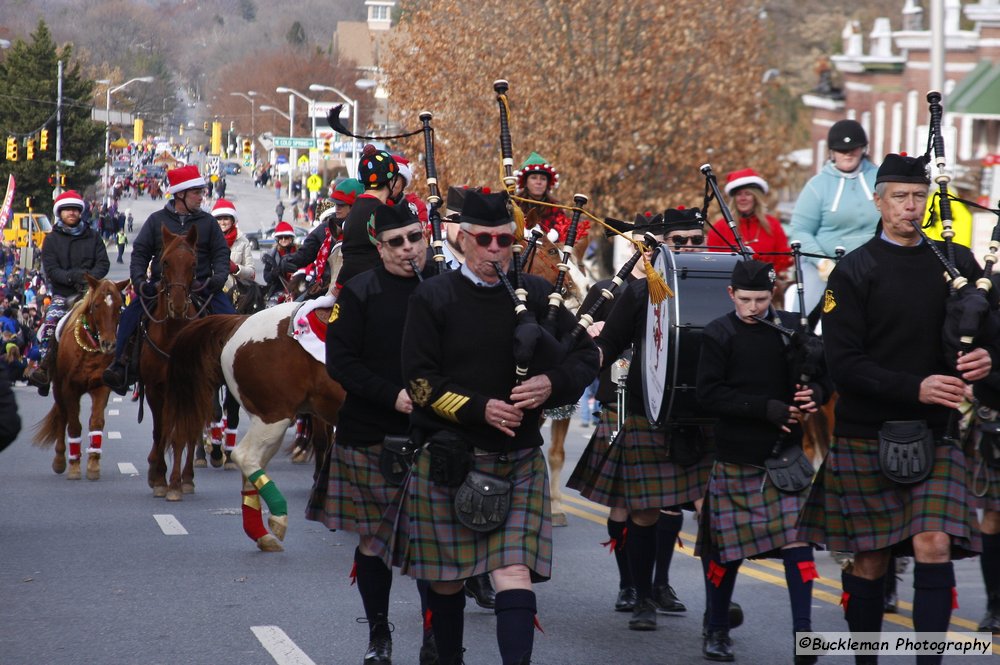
[[265, 238], [232, 168]]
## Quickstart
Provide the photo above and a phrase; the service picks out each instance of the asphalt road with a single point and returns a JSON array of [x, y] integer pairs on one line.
[[102, 573]]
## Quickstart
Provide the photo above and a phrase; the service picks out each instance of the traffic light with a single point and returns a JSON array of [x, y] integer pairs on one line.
[[11, 149], [246, 146], [62, 180], [27, 202], [52, 180], [326, 148], [43, 141], [30, 152]]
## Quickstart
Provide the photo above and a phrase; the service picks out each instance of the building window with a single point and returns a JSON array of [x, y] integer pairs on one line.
[[378, 13]]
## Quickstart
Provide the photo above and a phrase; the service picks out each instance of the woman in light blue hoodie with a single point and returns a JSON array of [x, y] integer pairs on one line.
[[835, 209]]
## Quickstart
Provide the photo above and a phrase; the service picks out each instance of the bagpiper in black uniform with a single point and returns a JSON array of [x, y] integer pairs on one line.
[[746, 376], [362, 354], [883, 316], [477, 497]]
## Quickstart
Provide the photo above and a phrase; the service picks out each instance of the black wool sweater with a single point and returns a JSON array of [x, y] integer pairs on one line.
[[605, 386], [363, 341], [458, 354], [624, 328], [358, 250], [884, 310]]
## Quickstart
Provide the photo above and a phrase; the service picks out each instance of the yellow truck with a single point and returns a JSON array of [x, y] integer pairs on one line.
[[22, 225]]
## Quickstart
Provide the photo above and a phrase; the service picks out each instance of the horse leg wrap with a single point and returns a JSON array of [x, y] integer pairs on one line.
[[95, 442], [272, 496], [231, 441], [216, 433], [253, 524], [74, 447]]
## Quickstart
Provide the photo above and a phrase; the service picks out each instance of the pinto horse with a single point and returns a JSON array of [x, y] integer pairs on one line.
[[82, 352], [174, 310], [272, 376]]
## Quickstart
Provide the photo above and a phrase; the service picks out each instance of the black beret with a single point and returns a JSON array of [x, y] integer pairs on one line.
[[753, 275], [682, 219], [386, 217], [485, 209], [903, 168]]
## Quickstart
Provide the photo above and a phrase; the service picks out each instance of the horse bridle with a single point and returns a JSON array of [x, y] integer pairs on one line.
[[164, 288]]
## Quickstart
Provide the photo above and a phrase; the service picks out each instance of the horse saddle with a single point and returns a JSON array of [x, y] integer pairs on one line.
[[309, 322]]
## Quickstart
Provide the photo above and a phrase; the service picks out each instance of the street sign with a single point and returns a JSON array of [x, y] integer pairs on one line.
[[314, 183], [293, 142], [303, 161]]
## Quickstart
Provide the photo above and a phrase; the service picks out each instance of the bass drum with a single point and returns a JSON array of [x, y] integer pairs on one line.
[[672, 343]]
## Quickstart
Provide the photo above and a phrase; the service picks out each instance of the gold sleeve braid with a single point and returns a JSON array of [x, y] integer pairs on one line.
[[448, 404]]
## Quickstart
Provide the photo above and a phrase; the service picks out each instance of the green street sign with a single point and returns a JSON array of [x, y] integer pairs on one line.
[[293, 142]]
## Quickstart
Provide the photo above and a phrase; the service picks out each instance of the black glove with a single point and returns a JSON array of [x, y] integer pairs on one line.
[[76, 276], [777, 412], [147, 289], [269, 261]]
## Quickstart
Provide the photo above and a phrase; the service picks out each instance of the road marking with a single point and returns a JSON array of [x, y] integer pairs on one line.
[[169, 525], [112, 412], [280, 646], [127, 469], [114, 435], [116, 399], [757, 568]]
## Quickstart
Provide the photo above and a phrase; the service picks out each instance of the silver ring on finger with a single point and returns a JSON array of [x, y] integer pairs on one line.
[[503, 423]]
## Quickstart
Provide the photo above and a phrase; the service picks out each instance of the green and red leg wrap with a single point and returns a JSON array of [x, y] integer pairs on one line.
[[272, 496], [253, 523]]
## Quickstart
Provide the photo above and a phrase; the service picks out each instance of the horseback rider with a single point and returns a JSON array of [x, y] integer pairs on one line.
[[178, 215], [284, 245], [536, 180], [241, 261], [71, 251]]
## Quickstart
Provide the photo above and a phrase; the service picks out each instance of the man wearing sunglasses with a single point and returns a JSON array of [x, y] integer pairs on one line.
[[458, 362], [362, 354]]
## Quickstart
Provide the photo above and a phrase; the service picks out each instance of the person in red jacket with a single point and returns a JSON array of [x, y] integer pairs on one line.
[[762, 233]]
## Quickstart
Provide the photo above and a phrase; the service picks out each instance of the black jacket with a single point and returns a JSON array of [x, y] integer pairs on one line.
[[212, 250], [67, 258], [10, 421]]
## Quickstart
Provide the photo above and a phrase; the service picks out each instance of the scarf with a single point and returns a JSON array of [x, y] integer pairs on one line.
[[230, 235], [72, 230], [318, 267]]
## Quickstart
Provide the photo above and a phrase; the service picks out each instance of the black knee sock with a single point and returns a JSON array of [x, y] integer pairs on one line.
[[800, 571], [864, 604], [374, 583], [641, 551], [448, 624], [990, 563], [618, 532], [423, 586], [668, 527], [933, 589], [720, 580], [515, 611]]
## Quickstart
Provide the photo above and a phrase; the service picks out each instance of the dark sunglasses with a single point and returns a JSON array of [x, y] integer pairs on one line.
[[680, 241], [413, 236], [503, 239]]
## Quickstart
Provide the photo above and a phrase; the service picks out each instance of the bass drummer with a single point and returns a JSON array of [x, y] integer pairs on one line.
[[646, 473]]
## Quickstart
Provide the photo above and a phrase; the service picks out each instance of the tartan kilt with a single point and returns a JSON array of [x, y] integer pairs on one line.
[[854, 508], [420, 534], [745, 516], [634, 472], [356, 494]]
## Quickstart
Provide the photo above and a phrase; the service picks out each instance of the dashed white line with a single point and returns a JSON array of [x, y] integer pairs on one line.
[[112, 412], [127, 469], [280, 646], [116, 399], [169, 525], [114, 435]]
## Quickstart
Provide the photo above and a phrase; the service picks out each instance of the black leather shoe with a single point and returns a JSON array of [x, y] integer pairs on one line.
[[480, 589], [114, 377], [37, 377], [718, 646], [643, 616], [735, 618], [990, 622], [379, 646], [627, 598], [666, 601], [429, 652]]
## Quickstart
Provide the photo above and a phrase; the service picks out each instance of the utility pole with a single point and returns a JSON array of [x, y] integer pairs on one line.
[[58, 189]]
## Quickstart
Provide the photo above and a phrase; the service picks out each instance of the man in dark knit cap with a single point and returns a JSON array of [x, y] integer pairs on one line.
[[461, 348], [362, 354], [749, 376], [883, 314]]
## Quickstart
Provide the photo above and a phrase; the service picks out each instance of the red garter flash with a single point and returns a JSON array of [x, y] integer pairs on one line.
[[807, 569], [715, 574], [845, 598]]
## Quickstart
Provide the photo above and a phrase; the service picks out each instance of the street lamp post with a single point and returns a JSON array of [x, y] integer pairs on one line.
[[107, 131], [292, 94], [249, 95], [353, 171]]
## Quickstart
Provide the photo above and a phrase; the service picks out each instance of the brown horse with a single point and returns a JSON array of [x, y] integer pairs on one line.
[[244, 352], [173, 311], [81, 354]]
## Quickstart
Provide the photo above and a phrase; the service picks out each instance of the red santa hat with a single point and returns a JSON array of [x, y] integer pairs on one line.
[[745, 178], [224, 207], [68, 199], [405, 169], [184, 177], [283, 229]]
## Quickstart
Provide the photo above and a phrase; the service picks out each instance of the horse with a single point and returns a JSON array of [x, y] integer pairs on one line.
[[254, 356], [80, 355], [174, 310]]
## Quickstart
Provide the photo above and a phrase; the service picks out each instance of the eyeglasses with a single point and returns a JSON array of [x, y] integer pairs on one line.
[[413, 237], [680, 241], [503, 239], [280, 238]]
